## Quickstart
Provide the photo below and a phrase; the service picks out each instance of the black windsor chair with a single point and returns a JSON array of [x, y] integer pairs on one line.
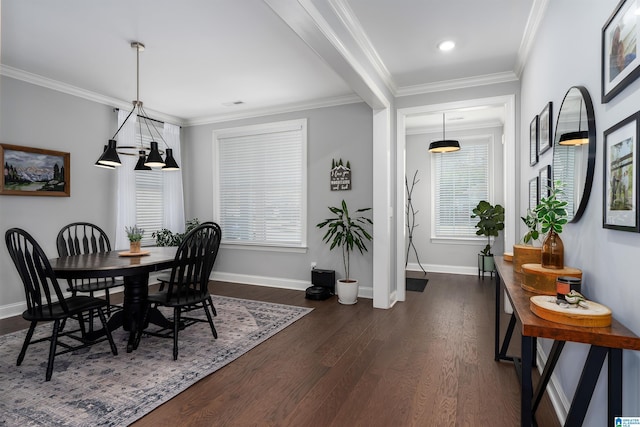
[[86, 238], [41, 289], [187, 287]]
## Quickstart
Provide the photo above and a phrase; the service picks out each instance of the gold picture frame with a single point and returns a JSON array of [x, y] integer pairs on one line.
[[29, 171]]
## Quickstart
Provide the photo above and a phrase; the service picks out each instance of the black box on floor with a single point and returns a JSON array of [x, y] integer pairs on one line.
[[324, 278], [323, 282]]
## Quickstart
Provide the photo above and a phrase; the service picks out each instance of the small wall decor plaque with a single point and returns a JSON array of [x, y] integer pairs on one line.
[[34, 171], [340, 176]]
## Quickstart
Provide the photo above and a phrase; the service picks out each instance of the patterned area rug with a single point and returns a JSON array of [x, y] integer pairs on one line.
[[91, 387]]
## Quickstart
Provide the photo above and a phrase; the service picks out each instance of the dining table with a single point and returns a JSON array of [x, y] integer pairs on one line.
[[134, 269]]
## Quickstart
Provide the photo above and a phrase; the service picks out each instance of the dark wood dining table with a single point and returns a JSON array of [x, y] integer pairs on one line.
[[135, 271]]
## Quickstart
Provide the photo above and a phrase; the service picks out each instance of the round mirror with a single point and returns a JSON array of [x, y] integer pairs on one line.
[[574, 150]]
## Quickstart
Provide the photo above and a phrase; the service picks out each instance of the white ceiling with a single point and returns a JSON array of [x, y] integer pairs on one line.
[[202, 55]]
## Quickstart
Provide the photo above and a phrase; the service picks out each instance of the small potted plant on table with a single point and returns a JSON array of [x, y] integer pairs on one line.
[[490, 223], [527, 252], [346, 232], [135, 236], [552, 216]]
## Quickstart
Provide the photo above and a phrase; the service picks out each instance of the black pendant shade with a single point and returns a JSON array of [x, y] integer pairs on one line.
[[580, 137], [170, 162], [110, 155], [142, 157], [100, 165], [444, 145], [154, 159]]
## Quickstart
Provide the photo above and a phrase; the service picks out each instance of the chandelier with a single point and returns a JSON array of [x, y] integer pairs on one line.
[[110, 158]]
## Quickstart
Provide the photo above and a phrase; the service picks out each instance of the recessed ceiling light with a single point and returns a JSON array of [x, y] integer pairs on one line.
[[447, 45]]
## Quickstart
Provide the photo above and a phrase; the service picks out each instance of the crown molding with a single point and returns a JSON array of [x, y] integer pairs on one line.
[[288, 108], [531, 29], [68, 89], [487, 79], [352, 24]]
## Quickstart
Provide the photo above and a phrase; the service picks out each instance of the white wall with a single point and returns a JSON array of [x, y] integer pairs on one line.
[[336, 132], [446, 255], [567, 52], [36, 117]]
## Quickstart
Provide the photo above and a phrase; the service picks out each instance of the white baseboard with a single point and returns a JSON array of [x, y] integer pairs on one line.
[[450, 269]]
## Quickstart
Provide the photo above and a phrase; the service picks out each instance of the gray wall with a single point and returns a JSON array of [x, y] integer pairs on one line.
[[337, 132], [446, 255], [38, 117], [42, 118], [563, 56]]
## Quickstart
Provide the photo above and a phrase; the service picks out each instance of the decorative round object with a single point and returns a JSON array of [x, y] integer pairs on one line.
[[553, 251]]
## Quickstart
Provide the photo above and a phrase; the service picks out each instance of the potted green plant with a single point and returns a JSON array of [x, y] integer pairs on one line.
[[490, 223], [527, 252], [347, 233], [165, 237], [135, 236], [552, 216]]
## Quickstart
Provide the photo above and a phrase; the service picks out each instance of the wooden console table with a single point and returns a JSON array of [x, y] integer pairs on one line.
[[608, 341]]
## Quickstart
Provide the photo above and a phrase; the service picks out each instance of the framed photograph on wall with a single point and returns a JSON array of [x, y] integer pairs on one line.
[[34, 171], [533, 141], [545, 182], [544, 129], [620, 61], [620, 198], [533, 193]]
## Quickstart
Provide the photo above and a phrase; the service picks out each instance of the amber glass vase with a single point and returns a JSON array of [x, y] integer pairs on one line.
[[552, 251]]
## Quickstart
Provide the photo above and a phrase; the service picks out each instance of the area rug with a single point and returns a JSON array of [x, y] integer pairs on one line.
[[416, 285], [91, 387]]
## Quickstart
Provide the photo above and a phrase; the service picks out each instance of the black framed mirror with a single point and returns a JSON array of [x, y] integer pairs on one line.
[[574, 150]]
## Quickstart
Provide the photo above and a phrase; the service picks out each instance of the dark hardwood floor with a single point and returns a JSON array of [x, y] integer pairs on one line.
[[426, 362]]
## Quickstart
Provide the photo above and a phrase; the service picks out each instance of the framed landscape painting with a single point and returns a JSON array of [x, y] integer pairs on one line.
[[620, 198], [34, 171]]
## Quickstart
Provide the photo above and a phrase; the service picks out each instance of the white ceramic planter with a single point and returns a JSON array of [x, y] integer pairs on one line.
[[347, 291]]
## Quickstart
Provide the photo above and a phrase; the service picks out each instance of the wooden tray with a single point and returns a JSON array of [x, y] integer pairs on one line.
[[595, 315], [128, 253]]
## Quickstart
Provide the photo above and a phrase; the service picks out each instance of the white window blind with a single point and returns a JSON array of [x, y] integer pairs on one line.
[[149, 191], [566, 170], [261, 184], [459, 181]]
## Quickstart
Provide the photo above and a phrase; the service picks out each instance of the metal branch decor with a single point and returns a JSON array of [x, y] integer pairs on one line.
[[411, 220]]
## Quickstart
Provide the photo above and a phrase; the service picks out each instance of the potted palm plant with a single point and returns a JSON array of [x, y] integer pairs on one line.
[[347, 233], [490, 223]]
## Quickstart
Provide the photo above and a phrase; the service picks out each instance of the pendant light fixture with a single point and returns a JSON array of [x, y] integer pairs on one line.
[[575, 138], [153, 159], [444, 145]]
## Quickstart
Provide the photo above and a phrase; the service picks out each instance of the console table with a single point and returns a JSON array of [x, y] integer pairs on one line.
[[605, 342]]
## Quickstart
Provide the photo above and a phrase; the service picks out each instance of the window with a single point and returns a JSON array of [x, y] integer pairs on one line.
[[149, 191], [260, 187], [459, 181]]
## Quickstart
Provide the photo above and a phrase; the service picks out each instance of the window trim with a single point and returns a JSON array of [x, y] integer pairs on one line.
[[272, 127], [464, 140]]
